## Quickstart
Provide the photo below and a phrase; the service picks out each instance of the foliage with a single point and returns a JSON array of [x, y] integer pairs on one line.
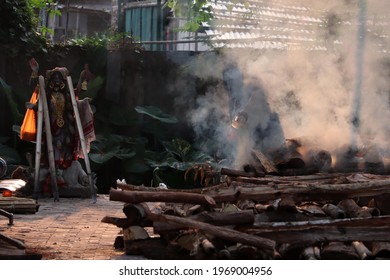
[[47, 7], [178, 162], [17, 32], [107, 40], [195, 12], [105, 148]]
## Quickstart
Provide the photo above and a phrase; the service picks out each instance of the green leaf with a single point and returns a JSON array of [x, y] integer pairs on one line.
[[178, 147], [102, 156], [125, 153], [156, 113]]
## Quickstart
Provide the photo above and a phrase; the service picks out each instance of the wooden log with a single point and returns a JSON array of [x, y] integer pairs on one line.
[[372, 210], [271, 188], [290, 159], [312, 209], [363, 252], [208, 246], [218, 231], [260, 208], [286, 204], [333, 211], [136, 197], [134, 213], [353, 210], [338, 251], [247, 252], [119, 222], [314, 231], [267, 164], [237, 173], [214, 218], [309, 253], [381, 249], [306, 192], [205, 190], [382, 203], [318, 179]]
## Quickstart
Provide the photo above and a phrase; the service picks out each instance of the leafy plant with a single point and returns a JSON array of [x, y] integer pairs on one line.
[[18, 28], [47, 6], [108, 40], [195, 12], [105, 148], [176, 164]]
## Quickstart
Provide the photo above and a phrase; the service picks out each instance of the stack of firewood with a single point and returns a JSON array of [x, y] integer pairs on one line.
[[319, 216]]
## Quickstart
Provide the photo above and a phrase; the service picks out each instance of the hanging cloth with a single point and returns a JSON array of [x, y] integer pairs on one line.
[[28, 130]]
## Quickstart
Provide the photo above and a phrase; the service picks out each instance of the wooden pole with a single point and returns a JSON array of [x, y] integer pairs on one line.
[[136, 197], [82, 138], [49, 139], [38, 148], [219, 231]]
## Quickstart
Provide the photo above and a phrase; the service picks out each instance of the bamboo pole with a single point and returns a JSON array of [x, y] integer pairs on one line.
[[82, 138], [38, 148], [49, 139]]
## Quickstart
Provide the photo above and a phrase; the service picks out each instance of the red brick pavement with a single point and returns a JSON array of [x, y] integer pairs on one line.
[[70, 229]]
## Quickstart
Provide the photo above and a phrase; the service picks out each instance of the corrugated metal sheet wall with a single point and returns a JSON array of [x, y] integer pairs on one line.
[[143, 23]]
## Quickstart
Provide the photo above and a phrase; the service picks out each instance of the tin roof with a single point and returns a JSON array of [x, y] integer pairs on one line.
[[282, 24]]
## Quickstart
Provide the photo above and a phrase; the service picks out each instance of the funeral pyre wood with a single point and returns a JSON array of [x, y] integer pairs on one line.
[[317, 216]]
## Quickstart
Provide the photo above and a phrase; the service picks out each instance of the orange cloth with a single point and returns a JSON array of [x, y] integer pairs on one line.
[[28, 130]]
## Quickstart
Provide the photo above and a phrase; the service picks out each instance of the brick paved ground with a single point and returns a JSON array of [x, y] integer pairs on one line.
[[70, 229]]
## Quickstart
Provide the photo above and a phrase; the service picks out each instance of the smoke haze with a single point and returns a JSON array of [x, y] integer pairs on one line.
[[313, 92]]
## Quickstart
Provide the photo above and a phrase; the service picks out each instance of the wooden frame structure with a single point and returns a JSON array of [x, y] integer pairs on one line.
[[43, 116]]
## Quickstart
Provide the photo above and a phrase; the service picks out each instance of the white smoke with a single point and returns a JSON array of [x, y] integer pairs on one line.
[[311, 91]]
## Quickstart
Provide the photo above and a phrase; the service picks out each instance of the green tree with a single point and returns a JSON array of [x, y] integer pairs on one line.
[[196, 12], [19, 26]]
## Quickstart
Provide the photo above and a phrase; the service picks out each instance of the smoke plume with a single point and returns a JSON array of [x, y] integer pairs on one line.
[[313, 92]]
